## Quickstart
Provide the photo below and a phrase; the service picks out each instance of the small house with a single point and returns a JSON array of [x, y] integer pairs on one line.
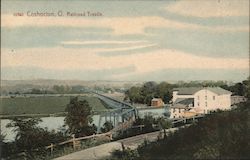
[[157, 102]]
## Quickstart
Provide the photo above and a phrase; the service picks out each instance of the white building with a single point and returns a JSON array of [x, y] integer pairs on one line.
[[198, 100]]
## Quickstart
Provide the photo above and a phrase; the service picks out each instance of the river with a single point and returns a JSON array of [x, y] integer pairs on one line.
[[56, 123]]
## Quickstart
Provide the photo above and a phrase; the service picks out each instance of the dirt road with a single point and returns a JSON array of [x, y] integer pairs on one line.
[[104, 150]]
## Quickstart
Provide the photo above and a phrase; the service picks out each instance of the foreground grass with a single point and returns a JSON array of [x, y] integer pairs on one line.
[[222, 135], [43, 105]]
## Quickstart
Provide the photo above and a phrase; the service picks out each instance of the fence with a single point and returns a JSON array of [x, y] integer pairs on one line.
[[122, 126], [76, 141]]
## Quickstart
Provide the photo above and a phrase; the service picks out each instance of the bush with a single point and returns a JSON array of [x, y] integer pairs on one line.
[[107, 126], [30, 140]]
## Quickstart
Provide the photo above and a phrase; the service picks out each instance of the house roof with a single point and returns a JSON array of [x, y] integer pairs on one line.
[[193, 90], [183, 102], [187, 90], [156, 99], [219, 90], [181, 106]]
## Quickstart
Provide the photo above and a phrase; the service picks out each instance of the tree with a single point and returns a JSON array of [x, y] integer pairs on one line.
[[79, 117], [163, 123], [107, 126], [134, 95], [148, 122], [246, 83], [36, 91], [59, 89], [164, 91], [148, 91], [239, 89], [125, 154], [30, 138]]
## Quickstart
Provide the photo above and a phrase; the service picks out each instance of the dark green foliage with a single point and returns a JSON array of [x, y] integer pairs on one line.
[[61, 89], [79, 117], [134, 95], [65, 89], [107, 126], [164, 123], [247, 84], [30, 139], [125, 154], [238, 89], [164, 91], [222, 135], [147, 124], [148, 91]]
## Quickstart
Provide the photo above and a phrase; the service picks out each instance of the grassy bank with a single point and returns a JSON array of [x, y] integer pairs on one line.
[[221, 135], [43, 105]]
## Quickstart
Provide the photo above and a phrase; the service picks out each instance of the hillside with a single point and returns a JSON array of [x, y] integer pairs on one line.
[[221, 135]]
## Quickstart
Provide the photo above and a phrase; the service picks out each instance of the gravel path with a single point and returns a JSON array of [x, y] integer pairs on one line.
[[105, 150]]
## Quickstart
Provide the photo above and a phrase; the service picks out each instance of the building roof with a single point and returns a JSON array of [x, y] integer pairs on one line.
[[180, 106], [219, 90], [156, 99], [193, 90], [183, 102]]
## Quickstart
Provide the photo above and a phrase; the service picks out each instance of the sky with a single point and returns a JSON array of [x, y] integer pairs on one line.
[[128, 41]]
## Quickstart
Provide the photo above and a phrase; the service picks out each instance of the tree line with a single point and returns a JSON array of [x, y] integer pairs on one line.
[[149, 90]]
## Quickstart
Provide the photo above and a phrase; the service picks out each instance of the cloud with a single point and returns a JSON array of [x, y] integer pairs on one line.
[[212, 8], [78, 59], [202, 43], [119, 25], [100, 42], [125, 50], [131, 46]]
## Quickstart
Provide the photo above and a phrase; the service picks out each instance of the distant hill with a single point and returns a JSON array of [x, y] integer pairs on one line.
[[20, 85], [49, 82]]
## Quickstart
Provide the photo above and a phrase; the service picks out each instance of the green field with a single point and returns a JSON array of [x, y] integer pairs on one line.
[[43, 105]]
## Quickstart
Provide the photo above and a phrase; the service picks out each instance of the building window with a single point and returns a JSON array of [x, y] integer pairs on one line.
[[174, 110], [213, 97], [206, 97], [206, 104], [198, 104], [179, 110]]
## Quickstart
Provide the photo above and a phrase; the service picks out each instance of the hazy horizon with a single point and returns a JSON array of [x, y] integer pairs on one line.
[[122, 81]]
